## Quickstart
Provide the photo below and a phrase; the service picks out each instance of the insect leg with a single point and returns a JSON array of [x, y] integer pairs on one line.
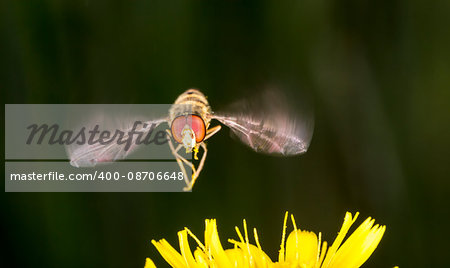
[[210, 132], [179, 158], [200, 166]]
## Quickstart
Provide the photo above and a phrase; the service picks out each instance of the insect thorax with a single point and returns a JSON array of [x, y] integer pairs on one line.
[[192, 101]]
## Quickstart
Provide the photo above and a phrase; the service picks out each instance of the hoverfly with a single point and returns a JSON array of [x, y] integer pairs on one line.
[[265, 124]]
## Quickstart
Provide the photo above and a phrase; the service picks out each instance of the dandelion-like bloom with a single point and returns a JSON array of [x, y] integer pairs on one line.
[[301, 249]]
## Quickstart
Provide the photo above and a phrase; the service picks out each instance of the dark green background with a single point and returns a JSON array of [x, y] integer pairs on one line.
[[378, 73]]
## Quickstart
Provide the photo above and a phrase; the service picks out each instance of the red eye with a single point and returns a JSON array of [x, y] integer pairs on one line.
[[194, 121]]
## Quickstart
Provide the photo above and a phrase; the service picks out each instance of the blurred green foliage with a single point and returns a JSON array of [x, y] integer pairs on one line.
[[378, 73]]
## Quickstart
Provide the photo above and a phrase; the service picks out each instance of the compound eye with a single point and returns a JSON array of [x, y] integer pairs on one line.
[[194, 121]]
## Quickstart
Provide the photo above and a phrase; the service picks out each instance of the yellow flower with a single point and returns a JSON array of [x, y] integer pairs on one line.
[[302, 249]]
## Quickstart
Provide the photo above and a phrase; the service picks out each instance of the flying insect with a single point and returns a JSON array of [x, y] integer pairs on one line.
[[266, 124]]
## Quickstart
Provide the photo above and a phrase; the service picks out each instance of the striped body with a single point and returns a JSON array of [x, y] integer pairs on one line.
[[192, 101], [193, 106]]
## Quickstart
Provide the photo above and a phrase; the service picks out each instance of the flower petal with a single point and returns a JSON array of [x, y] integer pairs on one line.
[[213, 245], [149, 263], [348, 221], [169, 253], [185, 249], [359, 246], [302, 248]]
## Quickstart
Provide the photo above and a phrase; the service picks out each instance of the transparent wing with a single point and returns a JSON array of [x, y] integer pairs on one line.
[[89, 155], [268, 124]]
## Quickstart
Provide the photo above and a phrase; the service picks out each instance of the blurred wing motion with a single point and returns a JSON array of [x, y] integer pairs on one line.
[[269, 125], [87, 155]]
